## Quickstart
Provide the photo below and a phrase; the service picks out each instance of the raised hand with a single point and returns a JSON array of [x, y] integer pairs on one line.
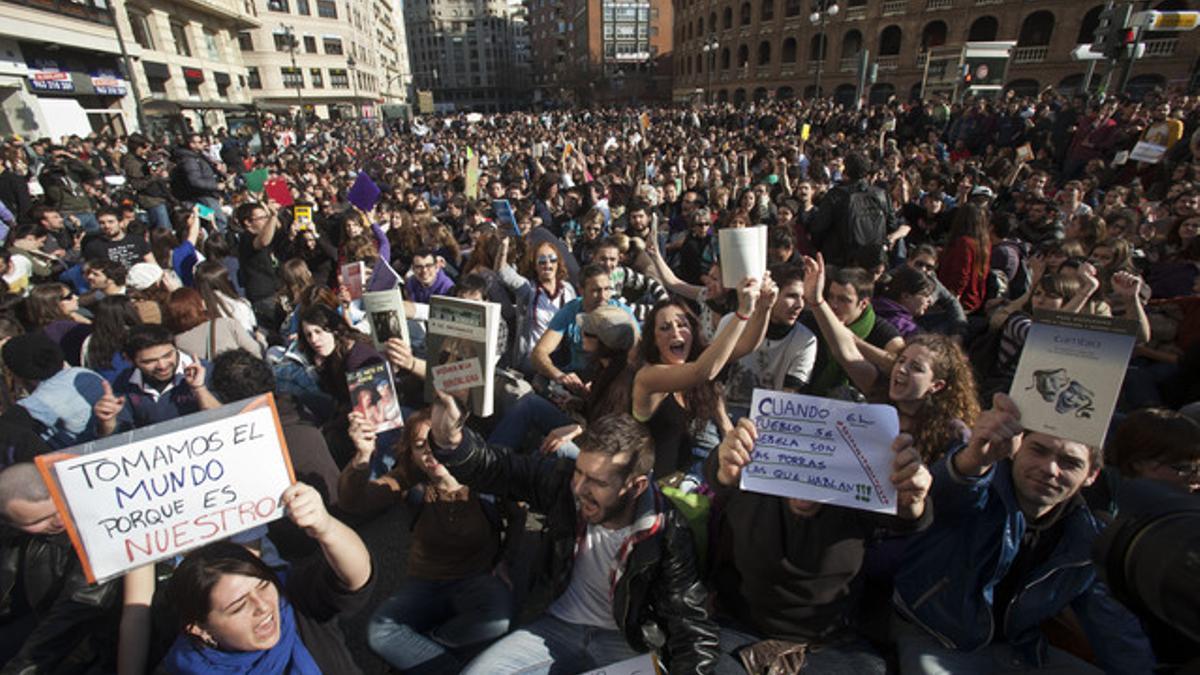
[[748, 292], [734, 452], [1127, 285], [362, 435], [108, 406], [910, 477], [814, 280], [194, 374], [306, 509], [996, 436]]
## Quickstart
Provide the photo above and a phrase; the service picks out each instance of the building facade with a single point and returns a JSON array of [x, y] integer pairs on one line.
[[739, 50], [604, 51], [323, 56], [61, 71], [463, 51]]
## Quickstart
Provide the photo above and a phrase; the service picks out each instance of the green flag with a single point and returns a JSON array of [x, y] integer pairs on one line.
[[255, 179]]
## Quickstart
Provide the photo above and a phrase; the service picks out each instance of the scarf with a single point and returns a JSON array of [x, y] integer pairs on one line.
[[289, 655], [832, 375]]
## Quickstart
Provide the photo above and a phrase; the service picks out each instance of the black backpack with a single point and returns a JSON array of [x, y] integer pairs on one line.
[[866, 220]]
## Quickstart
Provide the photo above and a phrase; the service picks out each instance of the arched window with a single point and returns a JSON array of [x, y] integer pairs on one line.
[[889, 41], [816, 48], [880, 93], [791, 7], [745, 14], [851, 44], [725, 59], [1026, 87], [1087, 27], [934, 35], [785, 93], [767, 11], [722, 96], [984, 29], [788, 53], [764, 53], [1036, 30], [760, 94], [739, 96], [712, 22], [728, 18], [743, 56]]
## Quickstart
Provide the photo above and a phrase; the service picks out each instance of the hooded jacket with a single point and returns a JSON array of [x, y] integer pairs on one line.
[[193, 176]]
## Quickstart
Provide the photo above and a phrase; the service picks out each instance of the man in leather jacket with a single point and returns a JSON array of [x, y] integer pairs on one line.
[[51, 618], [622, 562], [194, 180]]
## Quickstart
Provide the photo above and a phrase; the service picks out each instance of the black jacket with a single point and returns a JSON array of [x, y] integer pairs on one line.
[[193, 176], [658, 601], [75, 622], [829, 228]]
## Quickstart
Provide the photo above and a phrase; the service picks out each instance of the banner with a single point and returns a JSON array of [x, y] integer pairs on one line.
[[156, 492]]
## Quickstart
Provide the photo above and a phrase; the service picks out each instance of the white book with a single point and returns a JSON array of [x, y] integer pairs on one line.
[[461, 350], [385, 316]]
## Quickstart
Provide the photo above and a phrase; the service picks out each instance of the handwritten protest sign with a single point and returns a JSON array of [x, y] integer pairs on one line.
[[142, 496], [1149, 153], [822, 450], [645, 664], [743, 254]]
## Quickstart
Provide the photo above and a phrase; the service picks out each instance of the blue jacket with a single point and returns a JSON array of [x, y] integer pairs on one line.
[[143, 409], [951, 570]]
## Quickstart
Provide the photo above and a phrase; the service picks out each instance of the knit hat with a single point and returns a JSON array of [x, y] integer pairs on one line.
[[143, 275], [33, 356], [611, 325]]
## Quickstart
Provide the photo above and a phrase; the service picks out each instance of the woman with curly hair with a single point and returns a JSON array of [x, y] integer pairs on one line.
[[930, 382], [541, 289], [674, 392]]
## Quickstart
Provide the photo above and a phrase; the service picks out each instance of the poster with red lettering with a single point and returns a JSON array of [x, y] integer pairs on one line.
[[141, 496]]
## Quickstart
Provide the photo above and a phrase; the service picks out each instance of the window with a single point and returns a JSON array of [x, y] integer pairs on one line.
[[791, 7], [745, 14], [310, 44], [278, 6], [210, 45], [193, 88], [327, 9], [768, 10], [333, 46], [245, 41], [179, 33], [141, 30], [302, 7], [253, 78], [338, 78], [283, 42], [317, 79], [293, 78], [158, 85]]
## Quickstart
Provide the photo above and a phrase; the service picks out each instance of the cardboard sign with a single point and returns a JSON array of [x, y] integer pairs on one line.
[[644, 664], [1070, 374], [457, 376], [278, 190], [1149, 153], [823, 450], [255, 180], [1024, 153], [364, 193], [743, 254], [159, 491], [302, 214], [805, 131]]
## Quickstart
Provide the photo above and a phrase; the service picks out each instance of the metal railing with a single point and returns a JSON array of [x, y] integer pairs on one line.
[[1161, 46], [932, 5], [849, 64], [895, 7], [888, 62], [1029, 54]]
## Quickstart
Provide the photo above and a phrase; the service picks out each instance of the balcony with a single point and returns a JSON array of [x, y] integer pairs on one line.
[[1029, 54], [95, 10], [1161, 47], [922, 57], [814, 65], [891, 7], [888, 62], [858, 13], [849, 64]]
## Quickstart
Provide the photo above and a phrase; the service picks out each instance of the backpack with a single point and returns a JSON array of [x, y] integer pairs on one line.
[[866, 221]]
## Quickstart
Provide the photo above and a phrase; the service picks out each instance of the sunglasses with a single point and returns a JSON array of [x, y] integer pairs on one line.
[[69, 295], [547, 259]]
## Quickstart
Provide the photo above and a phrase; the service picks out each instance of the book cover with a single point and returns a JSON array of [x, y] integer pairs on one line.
[[385, 311], [373, 393], [352, 278], [459, 334], [1070, 374]]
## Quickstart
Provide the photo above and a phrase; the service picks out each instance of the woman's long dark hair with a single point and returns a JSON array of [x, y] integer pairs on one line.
[[612, 384], [113, 316], [42, 305], [211, 277], [191, 584], [333, 369], [700, 400]]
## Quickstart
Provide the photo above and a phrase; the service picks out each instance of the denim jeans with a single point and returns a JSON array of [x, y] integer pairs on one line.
[[551, 646], [417, 629], [158, 217], [87, 220], [531, 411], [856, 657], [923, 654]]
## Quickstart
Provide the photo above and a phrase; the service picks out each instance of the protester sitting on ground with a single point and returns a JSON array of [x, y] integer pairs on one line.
[[1155, 443], [54, 619], [455, 597], [104, 277], [113, 317], [147, 289], [53, 309], [428, 277], [236, 614], [540, 292], [674, 392], [639, 291], [175, 248], [904, 296], [222, 300], [930, 382], [610, 604], [946, 314], [967, 258], [1008, 501], [60, 397], [197, 334], [788, 570], [714, 300]]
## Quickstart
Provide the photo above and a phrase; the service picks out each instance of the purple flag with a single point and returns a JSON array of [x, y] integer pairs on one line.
[[364, 193]]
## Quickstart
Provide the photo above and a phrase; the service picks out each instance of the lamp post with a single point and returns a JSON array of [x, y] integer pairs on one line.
[[299, 80], [822, 11], [353, 65], [710, 59]]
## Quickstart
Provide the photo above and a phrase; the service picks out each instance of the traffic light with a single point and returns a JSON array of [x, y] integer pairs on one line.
[[1111, 32]]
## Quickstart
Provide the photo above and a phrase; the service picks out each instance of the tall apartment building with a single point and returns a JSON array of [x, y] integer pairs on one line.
[[328, 56], [738, 50], [463, 51], [603, 51]]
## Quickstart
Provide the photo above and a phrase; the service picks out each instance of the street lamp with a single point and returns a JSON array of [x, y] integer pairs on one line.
[[710, 59], [822, 11], [298, 78], [352, 65]]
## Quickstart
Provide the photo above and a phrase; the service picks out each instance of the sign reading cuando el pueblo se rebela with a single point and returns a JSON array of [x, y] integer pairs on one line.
[[822, 450], [159, 491]]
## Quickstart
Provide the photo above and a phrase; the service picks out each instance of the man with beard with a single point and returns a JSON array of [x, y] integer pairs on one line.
[[621, 563]]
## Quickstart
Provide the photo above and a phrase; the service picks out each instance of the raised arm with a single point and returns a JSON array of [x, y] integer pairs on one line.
[[133, 638], [756, 327], [840, 339], [673, 283], [358, 493], [345, 552], [1129, 286], [1037, 269]]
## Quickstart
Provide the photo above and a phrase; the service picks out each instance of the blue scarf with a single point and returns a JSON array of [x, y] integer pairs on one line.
[[289, 655]]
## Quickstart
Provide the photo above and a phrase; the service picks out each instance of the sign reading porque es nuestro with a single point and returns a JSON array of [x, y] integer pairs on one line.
[[142, 496]]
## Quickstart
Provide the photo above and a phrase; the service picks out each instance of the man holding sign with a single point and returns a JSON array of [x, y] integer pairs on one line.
[[789, 569], [1011, 549]]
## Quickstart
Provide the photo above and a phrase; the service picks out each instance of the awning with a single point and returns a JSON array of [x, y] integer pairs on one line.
[[222, 79], [156, 71], [168, 107]]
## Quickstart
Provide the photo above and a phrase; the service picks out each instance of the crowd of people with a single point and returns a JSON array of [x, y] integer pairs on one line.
[[909, 246]]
